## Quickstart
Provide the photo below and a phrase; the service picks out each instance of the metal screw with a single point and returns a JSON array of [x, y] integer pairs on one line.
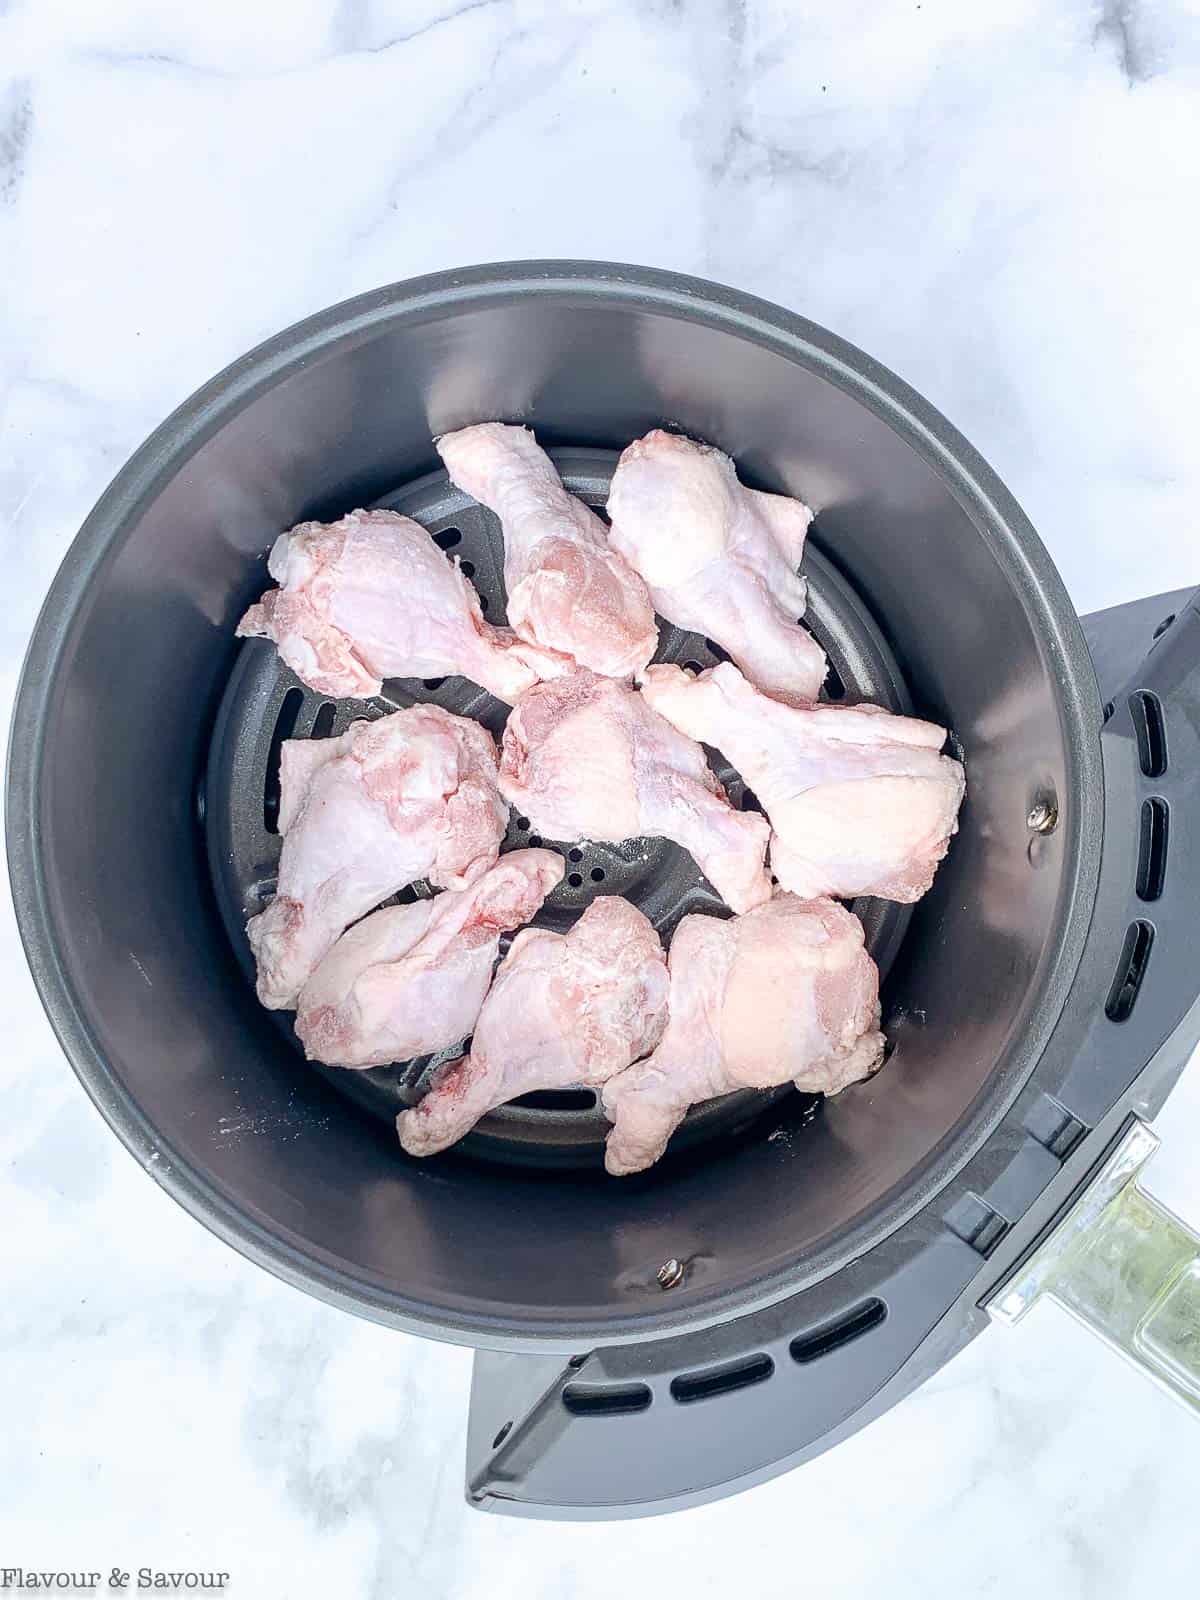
[[1043, 818], [670, 1274]]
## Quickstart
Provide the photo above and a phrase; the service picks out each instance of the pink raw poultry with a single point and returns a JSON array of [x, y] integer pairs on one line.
[[567, 590], [411, 795], [718, 558], [372, 597], [586, 758], [861, 801], [408, 980], [786, 992], [565, 1009]]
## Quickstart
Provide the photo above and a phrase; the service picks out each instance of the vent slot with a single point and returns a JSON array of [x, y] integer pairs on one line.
[[285, 726], [1152, 849], [1131, 969], [323, 722], [557, 1100], [1151, 730], [812, 1346], [715, 649], [590, 1400], [722, 1380]]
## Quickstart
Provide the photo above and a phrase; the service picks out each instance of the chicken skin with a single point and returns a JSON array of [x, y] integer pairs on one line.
[[861, 801], [372, 597], [568, 591], [718, 558], [564, 1010], [786, 992], [409, 980], [410, 795], [587, 758]]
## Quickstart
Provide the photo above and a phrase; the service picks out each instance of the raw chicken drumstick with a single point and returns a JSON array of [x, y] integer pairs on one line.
[[787, 991], [567, 590], [861, 801], [586, 758], [719, 558], [408, 980], [565, 1009], [372, 597], [411, 795]]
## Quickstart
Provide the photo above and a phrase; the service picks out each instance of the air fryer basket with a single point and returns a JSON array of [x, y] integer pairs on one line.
[[265, 702], [138, 820]]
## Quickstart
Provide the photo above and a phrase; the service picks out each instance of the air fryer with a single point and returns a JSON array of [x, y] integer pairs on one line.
[[793, 1266]]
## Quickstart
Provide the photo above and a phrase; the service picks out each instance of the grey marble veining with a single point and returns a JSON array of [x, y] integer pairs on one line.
[[997, 200]]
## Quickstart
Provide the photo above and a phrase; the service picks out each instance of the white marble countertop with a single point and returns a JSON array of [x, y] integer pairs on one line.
[[996, 199]]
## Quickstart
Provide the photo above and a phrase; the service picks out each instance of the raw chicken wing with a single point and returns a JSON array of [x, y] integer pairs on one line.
[[372, 597], [861, 801], [567, 590], [408, 796], [718, 558], [565, 1009], [408, 980], [787, 991], [586, 758]]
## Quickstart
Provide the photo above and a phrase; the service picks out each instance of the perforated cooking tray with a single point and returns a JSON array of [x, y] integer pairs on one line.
[[266, 703]]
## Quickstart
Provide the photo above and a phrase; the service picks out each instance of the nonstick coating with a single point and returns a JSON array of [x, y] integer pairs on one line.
[[132, 656], [265, 702]]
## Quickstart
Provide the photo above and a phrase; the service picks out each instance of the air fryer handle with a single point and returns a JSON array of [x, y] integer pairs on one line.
[[1126, 1267], [1117, 1259]]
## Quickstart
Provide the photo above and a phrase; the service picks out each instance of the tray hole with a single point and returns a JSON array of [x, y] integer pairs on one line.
[[575, 855], [323, 721], [1131, 969], [1152, 849], [597, 874], [535, 840], [522, 823], [285, 726], [557, 1100], [812, 1346], [483, 601], [433, 683], [575, 879], [715, 649], [692, 666], [589, 1400], [1164, 625], [723, 1379], [1147, 712], [467, 568], [835, 688], [448, 538]]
